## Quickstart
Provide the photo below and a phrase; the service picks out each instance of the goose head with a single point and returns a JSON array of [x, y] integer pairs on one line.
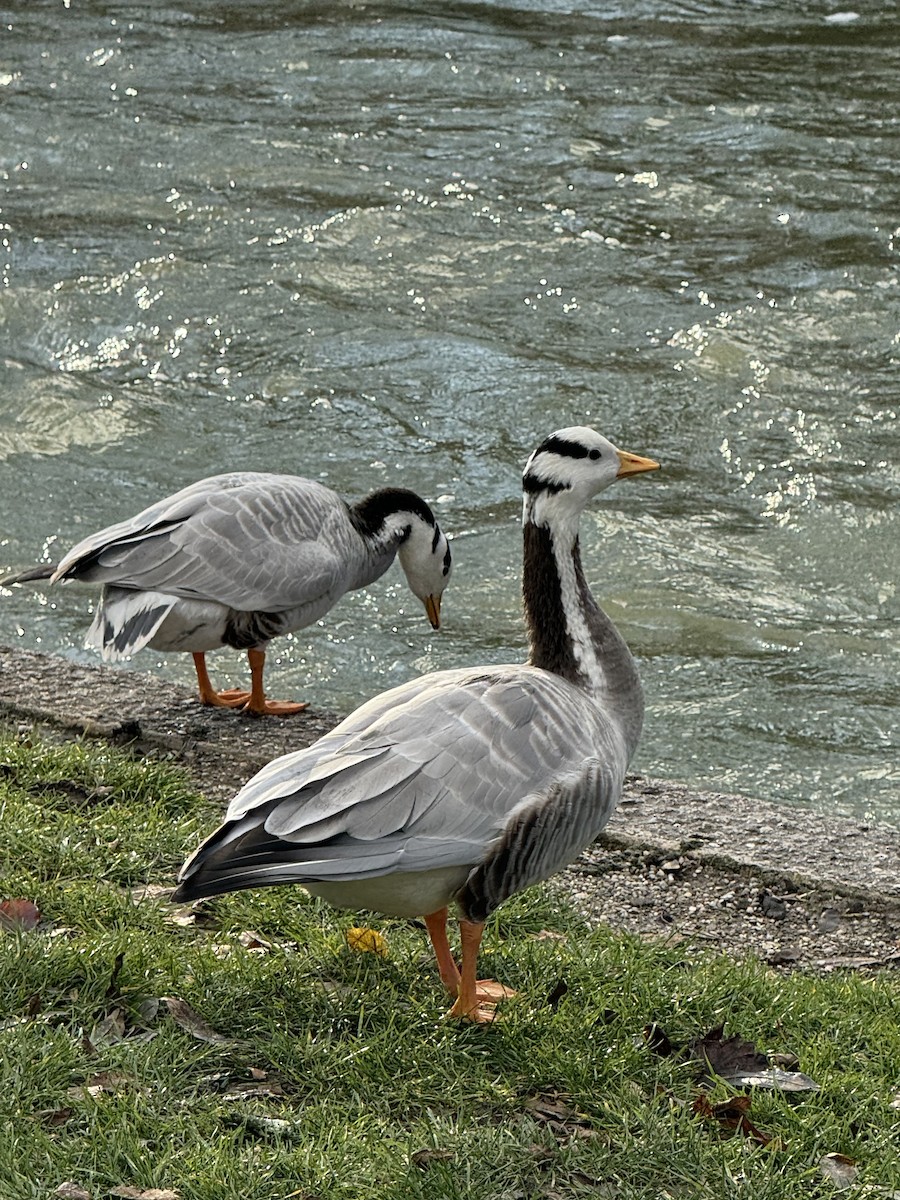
[[396, 520], [567, 470], [426, 560]]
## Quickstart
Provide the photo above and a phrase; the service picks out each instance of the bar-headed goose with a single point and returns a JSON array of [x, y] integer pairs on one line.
[[464, 786], [237, 559]]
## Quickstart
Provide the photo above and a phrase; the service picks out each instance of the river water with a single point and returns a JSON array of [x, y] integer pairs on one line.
[[402, 242]]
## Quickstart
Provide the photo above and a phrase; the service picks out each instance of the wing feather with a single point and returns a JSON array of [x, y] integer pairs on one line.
[[254, 542], [432, 774]]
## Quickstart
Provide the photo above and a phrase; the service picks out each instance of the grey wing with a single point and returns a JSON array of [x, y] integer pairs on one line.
[[432, 774], [255, 542]]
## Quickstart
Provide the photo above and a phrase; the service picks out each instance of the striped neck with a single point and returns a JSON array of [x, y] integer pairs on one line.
[[569, 634]]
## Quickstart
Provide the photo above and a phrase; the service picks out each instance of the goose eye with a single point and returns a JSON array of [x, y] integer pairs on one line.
[[594, 454]]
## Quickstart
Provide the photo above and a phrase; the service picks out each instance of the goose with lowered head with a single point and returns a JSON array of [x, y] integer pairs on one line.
[[237, 559], [465, 786]]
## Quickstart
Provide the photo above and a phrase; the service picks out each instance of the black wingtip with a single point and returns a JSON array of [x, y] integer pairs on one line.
[[35, 573]]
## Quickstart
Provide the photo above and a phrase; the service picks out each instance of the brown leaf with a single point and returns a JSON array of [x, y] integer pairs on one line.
[[149, 891], [22, 915], [251, 940], [191, 1022], [52, 1117], [726, 1057], [549, 1108], [147, 1009], [109, 1030], [421, 1158], [126, 1192], [103, 1081], [739, 1063], [70, 1190], [841, 1170], [731, 1115]]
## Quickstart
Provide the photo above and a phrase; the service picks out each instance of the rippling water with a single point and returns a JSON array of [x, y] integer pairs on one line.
[[380, 242]]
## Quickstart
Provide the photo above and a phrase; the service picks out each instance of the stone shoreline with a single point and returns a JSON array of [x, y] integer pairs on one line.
[[791, 886]]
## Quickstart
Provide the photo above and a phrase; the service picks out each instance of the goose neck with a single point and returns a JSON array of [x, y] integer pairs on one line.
[[569, 633]]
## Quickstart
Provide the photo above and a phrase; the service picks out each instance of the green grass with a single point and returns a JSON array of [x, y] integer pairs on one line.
[[369, 1072]]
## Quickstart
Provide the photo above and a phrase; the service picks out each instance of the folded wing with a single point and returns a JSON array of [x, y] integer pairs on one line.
[[433, 774], [254, 542]]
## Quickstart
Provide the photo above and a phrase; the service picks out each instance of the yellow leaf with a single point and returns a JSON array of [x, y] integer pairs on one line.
[[366, 941]]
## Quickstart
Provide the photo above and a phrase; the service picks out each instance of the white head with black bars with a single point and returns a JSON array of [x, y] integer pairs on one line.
[[396, 519], [426, 561], [567, 470]]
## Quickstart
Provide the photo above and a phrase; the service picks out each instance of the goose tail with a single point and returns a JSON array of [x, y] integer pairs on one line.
[[125, 621]]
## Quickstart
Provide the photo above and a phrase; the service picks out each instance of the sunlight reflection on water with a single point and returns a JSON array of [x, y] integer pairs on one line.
[[382, 246]]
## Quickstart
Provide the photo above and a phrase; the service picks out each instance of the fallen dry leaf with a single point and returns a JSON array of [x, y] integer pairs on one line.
[[737, 1062], [103, 1081], [558, 1117], [191, 1022], [109, 1030], [421, 1158], [366, 941], [726, 1057], [22, 915], [71, 1191], [731, 1116], [147, 1009], [251, 940], [841, 1170], [52, 1117], [132, 1193], [149, 891], [549, 1108]]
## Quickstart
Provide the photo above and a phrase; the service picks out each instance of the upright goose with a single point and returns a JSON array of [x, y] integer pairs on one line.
[[236, 559], [466, 785]]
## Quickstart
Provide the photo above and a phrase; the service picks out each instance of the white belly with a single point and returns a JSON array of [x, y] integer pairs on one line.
[[196, 626], [403, 894]]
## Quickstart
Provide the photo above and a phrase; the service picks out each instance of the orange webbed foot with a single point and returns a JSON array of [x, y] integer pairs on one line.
[[231, 698], [277, 708], [490, 991]]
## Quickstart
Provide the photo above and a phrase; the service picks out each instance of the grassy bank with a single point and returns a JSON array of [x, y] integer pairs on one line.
[[302, 1068]]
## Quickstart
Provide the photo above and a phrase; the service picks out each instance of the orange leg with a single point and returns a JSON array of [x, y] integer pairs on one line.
[[436, 924], [208, 694], [252, 701], [477, 998]]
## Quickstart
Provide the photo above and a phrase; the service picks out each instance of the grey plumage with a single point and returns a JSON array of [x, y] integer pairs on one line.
[[435, 773], [237, 559], [465, 785]]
